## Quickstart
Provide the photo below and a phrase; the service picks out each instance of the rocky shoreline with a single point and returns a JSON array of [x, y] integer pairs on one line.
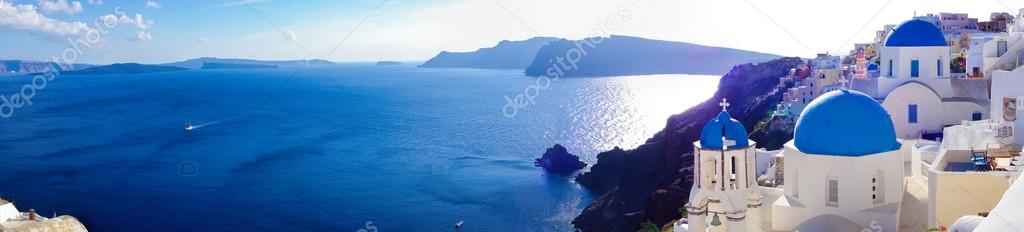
[[651, 183]]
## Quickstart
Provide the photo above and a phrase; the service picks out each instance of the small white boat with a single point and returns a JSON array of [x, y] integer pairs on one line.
[[459, 224], [189, 127]]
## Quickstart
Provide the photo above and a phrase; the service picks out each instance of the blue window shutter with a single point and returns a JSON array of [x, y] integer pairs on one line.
[[915, 68], [912, 113]]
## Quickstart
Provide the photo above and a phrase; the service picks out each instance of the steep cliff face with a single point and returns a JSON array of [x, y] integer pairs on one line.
[[625, 55], [652, 181], [505, 55]]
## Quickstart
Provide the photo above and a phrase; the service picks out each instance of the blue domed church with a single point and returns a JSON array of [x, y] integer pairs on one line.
[[846, 171], [724, 196], [916, 86]]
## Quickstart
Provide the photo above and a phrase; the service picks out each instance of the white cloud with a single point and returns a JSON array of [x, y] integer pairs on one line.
[[60, 6], [95, 2], [140, 36], [203, 40], [152, 4], [27, 18], [137, 21]]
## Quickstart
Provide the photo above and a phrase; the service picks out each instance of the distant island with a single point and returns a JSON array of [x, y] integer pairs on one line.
[[606, 56], [125, 68], [625, 55], [212, 65], [383, 63], [30, 66], [505, 55], [197, 63]]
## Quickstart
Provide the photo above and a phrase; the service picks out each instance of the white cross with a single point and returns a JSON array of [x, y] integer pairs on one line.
[[724, 104]]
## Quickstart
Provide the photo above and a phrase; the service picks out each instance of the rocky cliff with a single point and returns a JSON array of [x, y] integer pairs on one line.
[[626, 55], [505, 55], [652, 182]]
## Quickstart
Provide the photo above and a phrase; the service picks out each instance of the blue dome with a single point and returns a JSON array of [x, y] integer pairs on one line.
[[872, 66], [845, 123], [723, 126], [916, 33]]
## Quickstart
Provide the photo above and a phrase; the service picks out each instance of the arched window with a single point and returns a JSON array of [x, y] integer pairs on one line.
[[796, 183], [976, 116], [878, 187], [833, 191], [915, 68], [938, 67], [912, 113], [732, 177], [890, 67]]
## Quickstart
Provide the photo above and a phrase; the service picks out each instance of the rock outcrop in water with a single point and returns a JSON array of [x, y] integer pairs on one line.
[[625, 55], [558, 160], [652, 182]]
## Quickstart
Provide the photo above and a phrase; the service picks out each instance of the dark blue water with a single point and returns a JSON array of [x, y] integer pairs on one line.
[[327, 149]]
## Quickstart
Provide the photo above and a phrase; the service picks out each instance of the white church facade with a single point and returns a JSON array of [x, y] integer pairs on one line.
[[851, 170], [850, 176]]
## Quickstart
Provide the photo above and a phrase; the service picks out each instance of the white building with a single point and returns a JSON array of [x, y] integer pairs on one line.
[[915, 86], [724, 195], [967, 173], [850, 174]]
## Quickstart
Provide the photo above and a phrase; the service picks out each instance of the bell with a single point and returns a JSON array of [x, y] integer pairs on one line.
[[715, 221]]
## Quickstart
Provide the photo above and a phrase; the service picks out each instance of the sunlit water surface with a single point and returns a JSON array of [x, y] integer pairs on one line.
[[329, 149]]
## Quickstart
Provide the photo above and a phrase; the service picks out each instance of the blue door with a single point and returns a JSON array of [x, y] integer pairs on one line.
[[915, 68]]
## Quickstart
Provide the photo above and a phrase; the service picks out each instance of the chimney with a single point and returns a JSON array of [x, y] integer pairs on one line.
[[31, 214]]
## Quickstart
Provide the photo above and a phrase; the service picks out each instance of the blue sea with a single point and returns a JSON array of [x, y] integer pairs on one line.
[[339, 148]]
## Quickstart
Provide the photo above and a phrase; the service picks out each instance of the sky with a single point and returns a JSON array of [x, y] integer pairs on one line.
[[157, 31]]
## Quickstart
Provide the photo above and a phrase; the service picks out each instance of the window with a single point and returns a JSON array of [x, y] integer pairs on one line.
[[796, 183], [890, 68], [732, 177], [976, 116], [912, 113], [915, 68], [878, 188], [833, 192], [938, 67]]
